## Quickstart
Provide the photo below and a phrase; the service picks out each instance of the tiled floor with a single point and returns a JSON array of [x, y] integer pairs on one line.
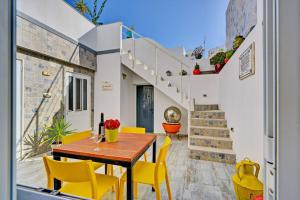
[[190, 179]]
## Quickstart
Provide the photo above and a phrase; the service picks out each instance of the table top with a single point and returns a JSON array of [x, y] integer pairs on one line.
[[127, 149]]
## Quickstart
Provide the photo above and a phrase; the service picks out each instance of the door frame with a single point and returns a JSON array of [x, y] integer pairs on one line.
[[142, 85], [89, 95]]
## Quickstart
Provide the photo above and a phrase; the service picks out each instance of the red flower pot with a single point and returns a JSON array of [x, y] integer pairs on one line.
[[226, 60], [196, 72]]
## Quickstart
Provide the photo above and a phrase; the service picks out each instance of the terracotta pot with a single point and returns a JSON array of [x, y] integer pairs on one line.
[[171, 128]]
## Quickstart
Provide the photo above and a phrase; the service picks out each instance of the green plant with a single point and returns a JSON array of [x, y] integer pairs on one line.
[[93, 13], [35, 144], [238, 40], [218, 58], [229, 53], [58, 129]]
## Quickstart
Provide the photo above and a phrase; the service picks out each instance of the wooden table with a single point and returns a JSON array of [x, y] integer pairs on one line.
[[126, 152]]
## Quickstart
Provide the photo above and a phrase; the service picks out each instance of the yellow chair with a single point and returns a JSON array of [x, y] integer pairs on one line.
[[135, 130], [74, 137], [79, 179], [151, 173]]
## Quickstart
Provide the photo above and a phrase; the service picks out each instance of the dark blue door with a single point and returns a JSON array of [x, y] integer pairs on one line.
[[145, 107]]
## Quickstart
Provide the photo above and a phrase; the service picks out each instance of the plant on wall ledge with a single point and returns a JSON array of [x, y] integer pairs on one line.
[[93, 13], [238, 40], [197, 71], [228, 55], [218, 61]]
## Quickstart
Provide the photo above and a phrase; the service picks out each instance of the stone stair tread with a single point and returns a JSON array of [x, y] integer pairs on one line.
[[211, 149], [211, 138], [205, 111], [208, 119], [210, 127]]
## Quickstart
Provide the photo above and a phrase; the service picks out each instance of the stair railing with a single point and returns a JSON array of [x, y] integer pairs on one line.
[[183, 66]]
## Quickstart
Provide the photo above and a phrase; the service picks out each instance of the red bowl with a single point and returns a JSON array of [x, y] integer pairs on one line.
[[171, 128]]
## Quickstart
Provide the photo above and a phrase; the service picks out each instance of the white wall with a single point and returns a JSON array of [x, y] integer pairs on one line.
[[205, 85], [128, 98], [58, 15], [242, 101], [108, 102], [104, 37]]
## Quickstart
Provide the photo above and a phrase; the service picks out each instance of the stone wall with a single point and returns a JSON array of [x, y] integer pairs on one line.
[[44, 51], [241, 15]]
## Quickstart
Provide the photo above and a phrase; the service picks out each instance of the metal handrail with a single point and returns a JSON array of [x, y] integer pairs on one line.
[[156, 46]]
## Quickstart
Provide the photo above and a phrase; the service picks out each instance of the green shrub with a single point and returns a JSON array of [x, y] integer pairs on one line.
[[229, 53], [218, 58]]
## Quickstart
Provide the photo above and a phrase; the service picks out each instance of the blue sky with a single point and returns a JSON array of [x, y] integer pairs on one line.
[[171, 22]]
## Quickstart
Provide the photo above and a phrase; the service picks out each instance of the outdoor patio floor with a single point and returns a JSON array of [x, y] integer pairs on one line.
[[190, 179]]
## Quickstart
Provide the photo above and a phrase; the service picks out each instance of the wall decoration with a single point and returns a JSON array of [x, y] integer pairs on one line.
[[107, 86], [247, 62]]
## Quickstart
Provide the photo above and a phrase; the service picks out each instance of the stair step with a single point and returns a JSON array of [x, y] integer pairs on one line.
[[206, 107], [209, 122], [212, 154], [208, 114], [208, 141], [210, 131]]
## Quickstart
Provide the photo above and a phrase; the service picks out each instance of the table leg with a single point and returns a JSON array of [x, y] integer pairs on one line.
[[105, 168], [154, 152], [154, 156], [57, 183], [129, 183]]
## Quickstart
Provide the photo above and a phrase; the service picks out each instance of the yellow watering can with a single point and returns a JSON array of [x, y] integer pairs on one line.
[[245, 181]]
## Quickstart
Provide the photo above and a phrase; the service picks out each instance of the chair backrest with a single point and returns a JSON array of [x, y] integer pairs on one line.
[[69, 172], [74, 137], [137, 130], [163, 151]]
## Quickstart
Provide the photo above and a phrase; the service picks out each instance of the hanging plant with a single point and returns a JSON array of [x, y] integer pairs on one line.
[[198, 52], [228, 55]]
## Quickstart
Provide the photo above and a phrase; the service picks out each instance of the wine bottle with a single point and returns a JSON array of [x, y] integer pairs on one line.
[[101, 130]]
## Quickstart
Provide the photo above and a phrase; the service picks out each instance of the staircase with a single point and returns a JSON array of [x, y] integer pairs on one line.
[[209, 137], [150, 61]]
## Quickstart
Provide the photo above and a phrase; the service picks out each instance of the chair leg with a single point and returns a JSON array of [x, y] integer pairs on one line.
[[121, 189], [121, 170], [168, 186], [135, 190], [157, 191], [145, 157], [117, 190]]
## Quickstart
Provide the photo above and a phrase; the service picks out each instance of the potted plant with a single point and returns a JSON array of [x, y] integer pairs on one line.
[[35, 144], [228, 55], [111, 130], [57, 131], [218, 61], [183, 73], [198, 52], [238, 40], [197, 71], [169, 73]]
